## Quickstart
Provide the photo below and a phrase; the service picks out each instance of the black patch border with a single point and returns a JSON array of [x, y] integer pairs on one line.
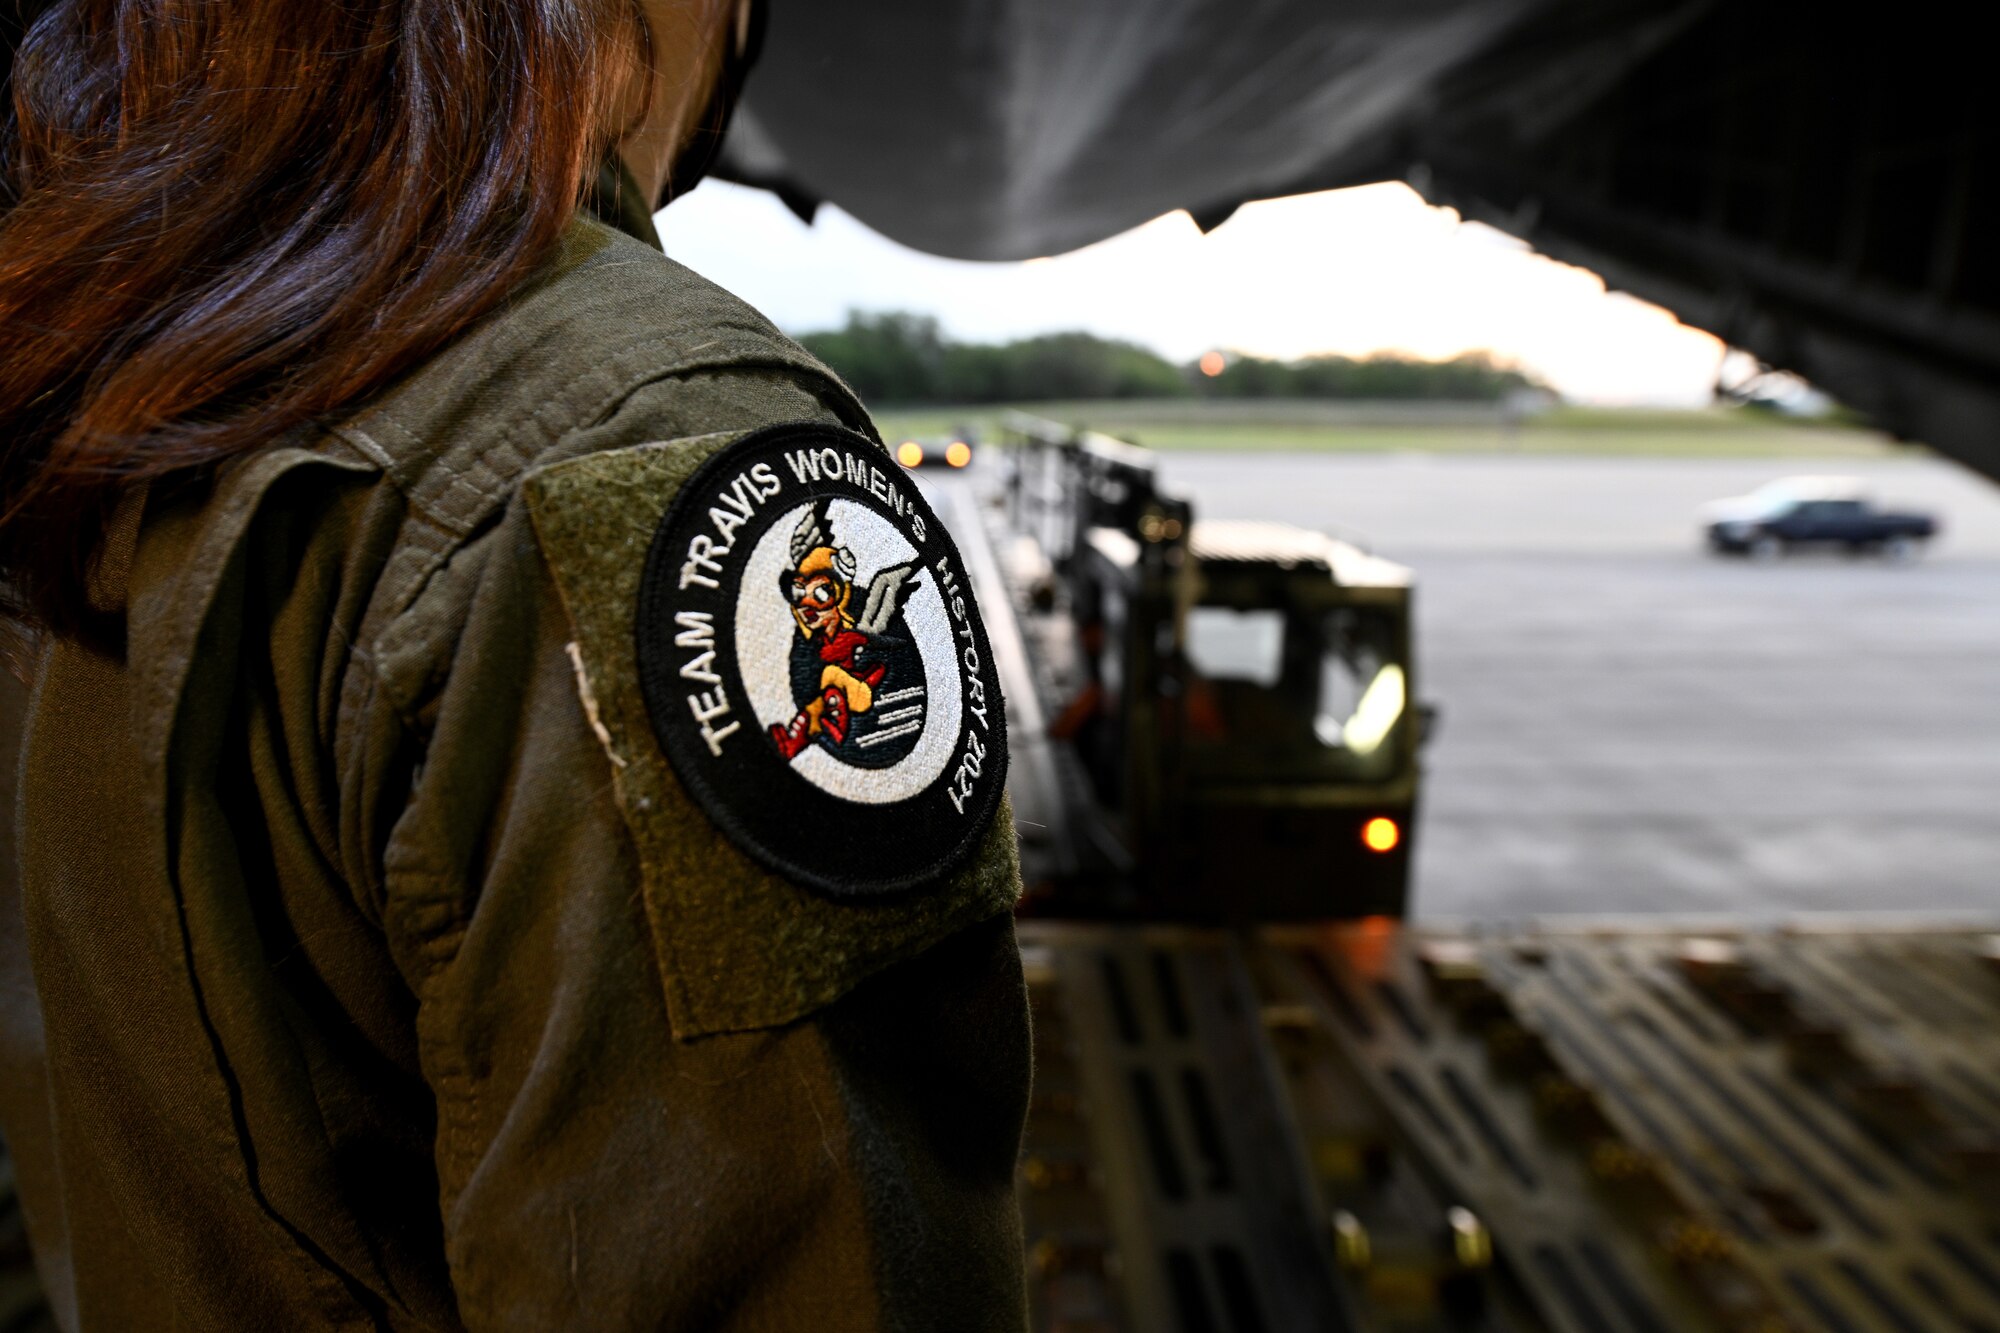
[[750, 792]]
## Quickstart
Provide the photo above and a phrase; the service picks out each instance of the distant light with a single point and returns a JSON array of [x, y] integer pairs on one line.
[[1212, 364], [958, 453], [1381, 834], [909, 453]]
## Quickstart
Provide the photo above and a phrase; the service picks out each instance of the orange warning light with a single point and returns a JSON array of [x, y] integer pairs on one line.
[[1212, 364], [1381, 834], [909, 453], [958, 453]]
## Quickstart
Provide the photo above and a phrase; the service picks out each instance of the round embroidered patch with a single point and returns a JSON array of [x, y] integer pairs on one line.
[[815, 666]]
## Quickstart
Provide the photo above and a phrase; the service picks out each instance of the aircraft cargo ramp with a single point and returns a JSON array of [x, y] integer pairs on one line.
[[1368, 1127]]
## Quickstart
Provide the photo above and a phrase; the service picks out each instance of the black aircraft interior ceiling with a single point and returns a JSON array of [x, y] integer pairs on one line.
[[1810, 187]]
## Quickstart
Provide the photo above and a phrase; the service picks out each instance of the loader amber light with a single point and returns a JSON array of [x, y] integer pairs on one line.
[[1381, 834], [958, 453], [909, 453]]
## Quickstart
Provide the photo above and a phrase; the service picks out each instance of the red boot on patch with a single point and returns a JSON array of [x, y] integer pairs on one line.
[[833, 714], [792, 738]]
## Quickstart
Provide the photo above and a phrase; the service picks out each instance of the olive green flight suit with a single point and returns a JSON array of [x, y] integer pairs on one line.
[[363, 951]]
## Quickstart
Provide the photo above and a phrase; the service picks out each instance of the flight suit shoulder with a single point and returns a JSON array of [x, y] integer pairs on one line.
[[615, 345], [807, 803]]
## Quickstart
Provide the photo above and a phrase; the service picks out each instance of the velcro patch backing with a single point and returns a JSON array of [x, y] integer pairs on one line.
[[783, 862]]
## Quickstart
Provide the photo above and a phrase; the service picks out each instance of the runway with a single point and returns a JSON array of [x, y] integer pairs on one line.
[[1629, 724]]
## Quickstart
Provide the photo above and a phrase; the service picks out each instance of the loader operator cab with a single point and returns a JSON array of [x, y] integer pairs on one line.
[[1297, 648], [1243, 709]]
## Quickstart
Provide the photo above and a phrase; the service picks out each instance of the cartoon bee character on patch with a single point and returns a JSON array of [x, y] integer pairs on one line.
[[859, 679]]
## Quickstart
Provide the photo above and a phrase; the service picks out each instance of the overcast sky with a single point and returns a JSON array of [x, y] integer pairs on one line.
[[1351, 271]]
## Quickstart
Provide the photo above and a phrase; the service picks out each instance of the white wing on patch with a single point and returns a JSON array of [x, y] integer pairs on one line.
[[812, 531], [887, 592]]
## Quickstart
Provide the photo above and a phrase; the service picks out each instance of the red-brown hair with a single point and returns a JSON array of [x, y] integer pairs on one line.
[[225, 219]]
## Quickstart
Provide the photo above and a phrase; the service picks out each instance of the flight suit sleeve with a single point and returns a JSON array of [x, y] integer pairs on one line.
[[632, 1138]]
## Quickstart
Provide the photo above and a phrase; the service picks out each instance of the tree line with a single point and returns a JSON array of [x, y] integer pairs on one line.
[[893, 358]]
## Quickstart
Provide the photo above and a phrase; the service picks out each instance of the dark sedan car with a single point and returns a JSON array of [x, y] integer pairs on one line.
[[1812, 512]]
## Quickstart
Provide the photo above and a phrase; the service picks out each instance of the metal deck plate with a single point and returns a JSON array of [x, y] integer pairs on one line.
[[1367, 1127]]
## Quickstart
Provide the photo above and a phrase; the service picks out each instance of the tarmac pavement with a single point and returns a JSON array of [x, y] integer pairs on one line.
[[1632, 725]]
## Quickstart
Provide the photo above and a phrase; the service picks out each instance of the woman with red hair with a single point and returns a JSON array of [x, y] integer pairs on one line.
[[409, 935]]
